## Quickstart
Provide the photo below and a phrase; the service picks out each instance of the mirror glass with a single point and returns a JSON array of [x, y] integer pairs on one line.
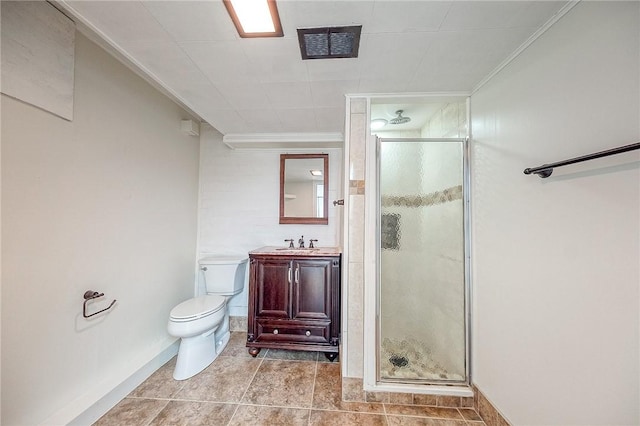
[[304, 188]]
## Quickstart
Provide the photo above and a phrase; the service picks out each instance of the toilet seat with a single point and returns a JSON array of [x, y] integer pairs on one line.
[[198, 307]]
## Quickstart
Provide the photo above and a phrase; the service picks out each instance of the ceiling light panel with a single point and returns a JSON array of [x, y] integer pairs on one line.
[[255, 18]]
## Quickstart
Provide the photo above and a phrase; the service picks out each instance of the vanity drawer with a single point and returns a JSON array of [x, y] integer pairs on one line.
[[293, 331]]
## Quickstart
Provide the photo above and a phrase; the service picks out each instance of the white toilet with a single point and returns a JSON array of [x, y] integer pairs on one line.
[[203, 322]]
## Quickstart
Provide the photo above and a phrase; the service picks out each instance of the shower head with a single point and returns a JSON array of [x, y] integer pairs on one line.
[[399, 119]]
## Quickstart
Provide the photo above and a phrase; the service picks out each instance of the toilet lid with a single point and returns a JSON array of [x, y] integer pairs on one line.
[[198, 307]]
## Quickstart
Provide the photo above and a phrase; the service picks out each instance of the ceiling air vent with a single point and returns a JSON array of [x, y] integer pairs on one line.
[[329, 42]]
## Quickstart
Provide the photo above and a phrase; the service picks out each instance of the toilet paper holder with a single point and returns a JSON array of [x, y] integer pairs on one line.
[[90, 295]]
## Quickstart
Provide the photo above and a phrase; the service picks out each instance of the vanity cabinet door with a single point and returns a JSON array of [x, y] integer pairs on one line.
[[312, 289], [273, 288]]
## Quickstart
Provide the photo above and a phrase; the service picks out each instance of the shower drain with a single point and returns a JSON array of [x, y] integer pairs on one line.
[[399, 361]]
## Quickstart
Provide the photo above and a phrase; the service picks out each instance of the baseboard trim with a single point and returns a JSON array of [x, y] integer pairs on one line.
[[238, 323], [485, 408], [107, 402]]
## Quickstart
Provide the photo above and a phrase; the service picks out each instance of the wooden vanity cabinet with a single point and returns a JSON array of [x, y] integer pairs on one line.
[[294, 303]]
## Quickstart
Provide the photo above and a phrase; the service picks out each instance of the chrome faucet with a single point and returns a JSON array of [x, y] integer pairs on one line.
[[301, 241], [311, 243], [290, 242]]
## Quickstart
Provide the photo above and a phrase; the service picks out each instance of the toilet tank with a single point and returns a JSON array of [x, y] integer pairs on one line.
[[224, 274]]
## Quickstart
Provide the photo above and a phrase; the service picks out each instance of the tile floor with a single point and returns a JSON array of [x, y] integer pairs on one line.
[[276, 388]]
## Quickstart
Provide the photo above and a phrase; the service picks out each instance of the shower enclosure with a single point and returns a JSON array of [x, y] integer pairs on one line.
[[421, 260]]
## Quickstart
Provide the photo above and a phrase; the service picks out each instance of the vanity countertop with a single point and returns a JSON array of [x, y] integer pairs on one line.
[[305, 252]]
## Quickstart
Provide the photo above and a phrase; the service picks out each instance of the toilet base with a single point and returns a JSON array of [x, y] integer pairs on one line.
[[197, 353]]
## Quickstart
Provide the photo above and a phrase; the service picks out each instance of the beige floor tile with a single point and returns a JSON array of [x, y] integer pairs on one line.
[[132, 411], [323, 358], [239, 390], [424, 411], [160, 384], [292, 355], [327, 392], [470, 414], [422, 421], [225, 380], [283, 383], [344, 418], [237, 346], [261, 415], [188, 413]]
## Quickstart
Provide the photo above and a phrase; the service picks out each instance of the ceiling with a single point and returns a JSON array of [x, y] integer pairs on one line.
[[192, 50]]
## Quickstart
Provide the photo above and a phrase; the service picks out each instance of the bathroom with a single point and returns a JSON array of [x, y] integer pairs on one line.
[[122, 201]]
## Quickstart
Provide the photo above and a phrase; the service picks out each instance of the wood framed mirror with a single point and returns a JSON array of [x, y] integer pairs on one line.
[[304, 188]]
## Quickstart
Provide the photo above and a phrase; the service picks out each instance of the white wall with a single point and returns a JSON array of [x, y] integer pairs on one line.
[[448, 122], [239, 202], [557, 261], [107, 202]]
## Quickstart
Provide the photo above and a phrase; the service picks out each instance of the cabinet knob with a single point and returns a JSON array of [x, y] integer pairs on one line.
[[275, 331], [307, 333]]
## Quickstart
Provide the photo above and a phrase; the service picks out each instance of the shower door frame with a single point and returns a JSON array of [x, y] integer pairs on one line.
[[371, 379]]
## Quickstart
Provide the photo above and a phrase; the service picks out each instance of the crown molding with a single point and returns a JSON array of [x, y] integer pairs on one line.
[[543, 29], [281, 141]]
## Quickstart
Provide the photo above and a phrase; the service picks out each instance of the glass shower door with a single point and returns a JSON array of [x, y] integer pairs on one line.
[[422, 320]]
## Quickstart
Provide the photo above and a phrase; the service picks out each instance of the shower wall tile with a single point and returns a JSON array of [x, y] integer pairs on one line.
[[412, 399], [352, 389], [466, 402], [357, 140], [400, 398], [450, 116], [356, 229], [376, 397], [358, 106], [356, 187], [423, 200], [354, 358], [448, 401], [355, 309], [448, 122], [420, 399], [355, 361]]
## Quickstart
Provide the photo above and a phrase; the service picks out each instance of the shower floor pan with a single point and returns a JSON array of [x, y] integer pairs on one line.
[[409, 359]]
